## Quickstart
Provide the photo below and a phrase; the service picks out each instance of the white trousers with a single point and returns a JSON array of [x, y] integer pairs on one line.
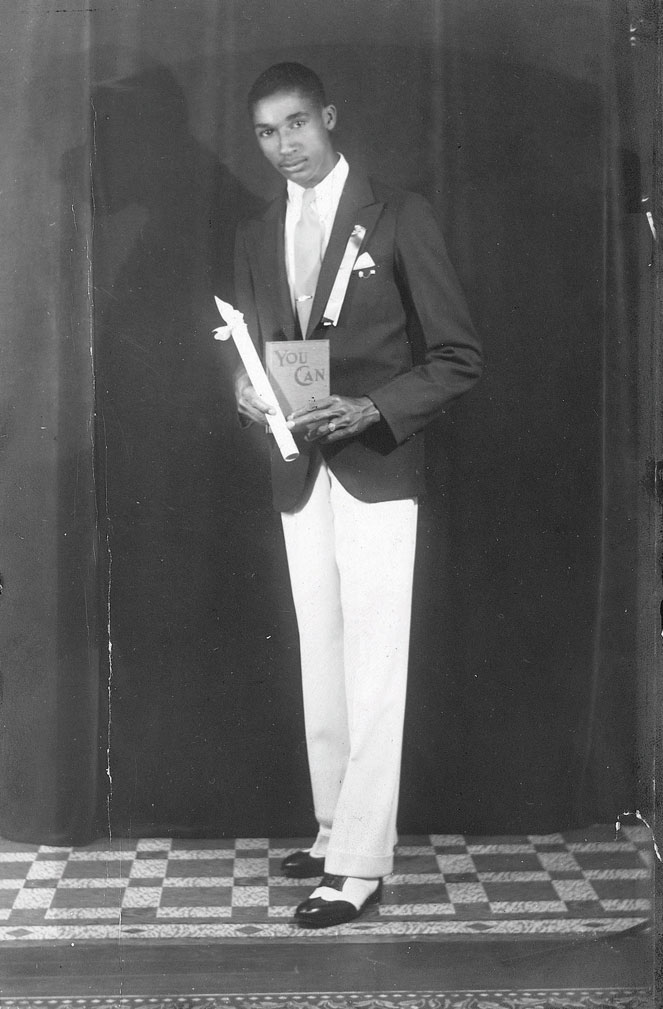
[[351, 566]]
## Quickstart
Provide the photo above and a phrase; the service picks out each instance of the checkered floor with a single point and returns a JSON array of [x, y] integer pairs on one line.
[[594, 881]]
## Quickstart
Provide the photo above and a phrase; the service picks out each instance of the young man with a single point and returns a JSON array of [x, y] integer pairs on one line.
[[401, 350]]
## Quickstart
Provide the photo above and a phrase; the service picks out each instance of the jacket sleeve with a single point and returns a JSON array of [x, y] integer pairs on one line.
[[451, 360], [244, 303], [245, 300]]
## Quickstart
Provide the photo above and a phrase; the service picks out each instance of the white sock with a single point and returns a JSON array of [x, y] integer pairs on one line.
[[355, 890]]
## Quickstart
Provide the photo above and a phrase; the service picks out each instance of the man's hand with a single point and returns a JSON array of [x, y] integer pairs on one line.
[[334, 418], [249, 402]]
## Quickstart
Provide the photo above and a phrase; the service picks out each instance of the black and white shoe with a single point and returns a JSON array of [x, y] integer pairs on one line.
[[337, 900], [302, 865]]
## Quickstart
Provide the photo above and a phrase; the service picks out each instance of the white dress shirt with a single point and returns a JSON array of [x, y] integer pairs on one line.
[[327, 197]]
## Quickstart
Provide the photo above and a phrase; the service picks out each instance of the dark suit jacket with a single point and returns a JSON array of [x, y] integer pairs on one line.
[[404, 336]]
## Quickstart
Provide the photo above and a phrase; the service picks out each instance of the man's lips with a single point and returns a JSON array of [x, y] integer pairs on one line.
[[289, 166]]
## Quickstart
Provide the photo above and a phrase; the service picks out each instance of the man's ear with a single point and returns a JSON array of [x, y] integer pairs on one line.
[[329, 117]]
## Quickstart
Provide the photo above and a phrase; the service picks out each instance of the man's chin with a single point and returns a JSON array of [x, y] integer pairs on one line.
[[297, 173]]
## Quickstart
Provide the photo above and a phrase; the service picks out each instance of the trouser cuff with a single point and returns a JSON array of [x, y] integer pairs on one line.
[[347, 863]]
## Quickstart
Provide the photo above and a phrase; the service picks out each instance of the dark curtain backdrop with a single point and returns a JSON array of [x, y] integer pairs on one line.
[[149, 649]]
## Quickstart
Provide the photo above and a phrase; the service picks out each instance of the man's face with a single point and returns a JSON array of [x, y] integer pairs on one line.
[[295, 136]]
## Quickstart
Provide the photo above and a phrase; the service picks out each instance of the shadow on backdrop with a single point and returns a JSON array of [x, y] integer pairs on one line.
[[183, 503]]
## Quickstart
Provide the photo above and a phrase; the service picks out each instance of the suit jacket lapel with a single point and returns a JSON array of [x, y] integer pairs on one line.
[[356, 206], [271, 256]]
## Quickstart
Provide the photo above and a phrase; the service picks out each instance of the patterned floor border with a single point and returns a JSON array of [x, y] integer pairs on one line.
[[360, 930], [553, 998]]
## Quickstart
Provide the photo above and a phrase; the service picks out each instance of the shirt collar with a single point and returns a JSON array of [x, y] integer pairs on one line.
[[324, 191]]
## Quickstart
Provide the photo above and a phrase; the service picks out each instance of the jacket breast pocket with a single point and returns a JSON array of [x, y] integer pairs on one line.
[[373, 296], [367, 272]]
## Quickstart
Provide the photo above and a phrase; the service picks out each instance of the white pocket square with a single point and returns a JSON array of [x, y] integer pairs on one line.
[[364, 262]]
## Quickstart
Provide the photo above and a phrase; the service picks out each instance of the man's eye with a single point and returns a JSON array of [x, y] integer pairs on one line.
[[299, 122], [265, 133]]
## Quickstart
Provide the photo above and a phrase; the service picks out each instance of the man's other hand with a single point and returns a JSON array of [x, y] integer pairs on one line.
[[249, 402], [334, 418]]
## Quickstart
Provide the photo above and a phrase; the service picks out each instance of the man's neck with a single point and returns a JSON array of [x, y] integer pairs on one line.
[[337, 158], [296, 186]]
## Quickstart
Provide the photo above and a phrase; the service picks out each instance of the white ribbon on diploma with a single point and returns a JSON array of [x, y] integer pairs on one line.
[[236, 327], [339, 290]]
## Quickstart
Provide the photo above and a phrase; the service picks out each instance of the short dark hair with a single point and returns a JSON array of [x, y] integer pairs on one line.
[[287, 77]]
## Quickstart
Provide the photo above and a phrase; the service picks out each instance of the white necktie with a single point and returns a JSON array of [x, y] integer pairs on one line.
[[308, 257]]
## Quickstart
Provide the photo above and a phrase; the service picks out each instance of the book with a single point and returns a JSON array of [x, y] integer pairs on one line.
[[298, 371]]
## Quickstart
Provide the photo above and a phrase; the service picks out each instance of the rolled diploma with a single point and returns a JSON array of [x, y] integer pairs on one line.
[[236, 327]]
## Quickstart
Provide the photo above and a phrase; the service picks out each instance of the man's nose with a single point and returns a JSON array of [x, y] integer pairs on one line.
[[286, 142]]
